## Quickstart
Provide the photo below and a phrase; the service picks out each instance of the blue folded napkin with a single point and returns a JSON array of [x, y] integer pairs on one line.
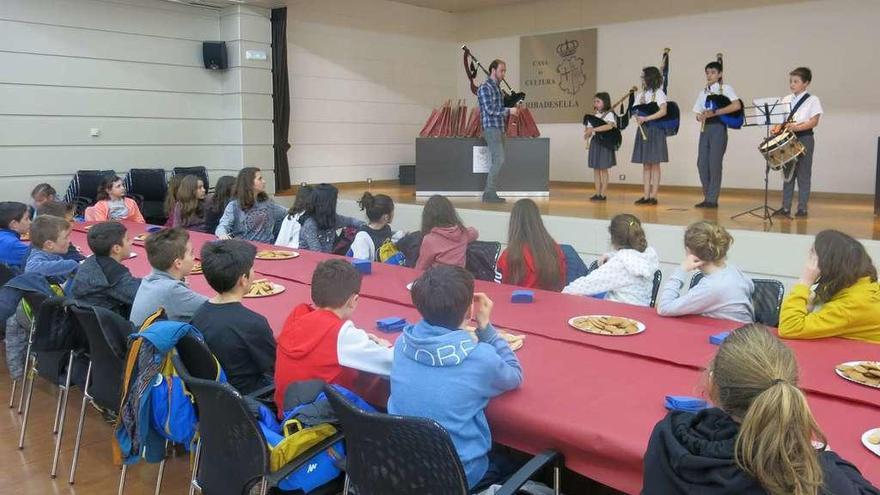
[[153, 228], [685, 403], [363, 266], [522, 296], [718, 338], [391, 324]]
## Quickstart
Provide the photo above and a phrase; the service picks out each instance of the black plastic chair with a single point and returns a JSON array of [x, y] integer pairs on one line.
[[105, 372], [150, 186], [398, 455], [767, 301], [83, 188], [658, 278], [200, 172], [225, 463]]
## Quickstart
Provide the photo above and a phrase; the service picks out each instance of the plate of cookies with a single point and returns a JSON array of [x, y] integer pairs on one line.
[[197, 268], [863, 372], [276, 254], [871, 440], [515, 342], [141, 237], [616, 326], [264, 288]]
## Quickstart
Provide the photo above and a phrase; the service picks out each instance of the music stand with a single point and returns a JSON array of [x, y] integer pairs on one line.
[[765, 112]]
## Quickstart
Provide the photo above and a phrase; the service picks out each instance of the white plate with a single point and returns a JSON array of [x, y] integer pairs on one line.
[[640, 325], [132, 255], [853, 363], [870, 446], [409, 286]]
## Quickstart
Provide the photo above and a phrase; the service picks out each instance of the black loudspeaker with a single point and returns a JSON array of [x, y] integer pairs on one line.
[[214, 54]]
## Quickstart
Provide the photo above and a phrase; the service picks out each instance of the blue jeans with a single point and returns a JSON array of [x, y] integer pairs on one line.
[[495, 140]]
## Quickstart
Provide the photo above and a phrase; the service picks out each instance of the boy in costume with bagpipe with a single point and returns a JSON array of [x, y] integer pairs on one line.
[[717, 108]]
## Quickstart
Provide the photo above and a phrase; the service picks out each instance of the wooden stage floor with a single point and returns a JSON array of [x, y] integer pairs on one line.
[[853, 214]]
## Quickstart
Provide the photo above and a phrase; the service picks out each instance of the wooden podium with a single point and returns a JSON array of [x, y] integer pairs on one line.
[[446, 166]]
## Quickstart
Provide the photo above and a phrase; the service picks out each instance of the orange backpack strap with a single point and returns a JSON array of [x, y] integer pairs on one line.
[[130, 362]]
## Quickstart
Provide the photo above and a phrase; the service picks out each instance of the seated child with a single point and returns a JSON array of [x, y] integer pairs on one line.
[[444, 237], [319, 222], [240, 339], [321, 342], [289, 234], [112, 203], [102, 280], [745, 444], [65, 211], [442, 372], [627, 274], [15, 221], [170, 253], [532, 258], [50, 239], [368, 242], [724, 292], [42, 194], [846, 300]]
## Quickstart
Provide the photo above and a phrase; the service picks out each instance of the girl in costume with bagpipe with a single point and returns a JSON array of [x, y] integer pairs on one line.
[[602, 133], [717, 108], [656, 118]]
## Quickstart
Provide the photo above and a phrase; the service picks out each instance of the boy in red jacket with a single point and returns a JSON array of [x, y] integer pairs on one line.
[[320, 342]]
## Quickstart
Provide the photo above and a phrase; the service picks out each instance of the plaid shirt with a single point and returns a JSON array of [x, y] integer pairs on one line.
[[492, 111]]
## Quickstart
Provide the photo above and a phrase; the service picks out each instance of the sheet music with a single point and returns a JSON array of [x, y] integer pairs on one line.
[[482, 160]]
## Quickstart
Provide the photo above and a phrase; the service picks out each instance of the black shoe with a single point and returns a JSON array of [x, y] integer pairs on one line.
[[595, 197], [493, 198], [710, 205], [701, 204], [652, 202], [602, 198], [801, 214], [782, 212], [642, 201]]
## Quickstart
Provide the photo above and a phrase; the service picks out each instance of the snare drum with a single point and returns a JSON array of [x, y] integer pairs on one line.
[[782, 152]]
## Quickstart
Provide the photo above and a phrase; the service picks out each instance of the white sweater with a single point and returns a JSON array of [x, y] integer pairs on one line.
[[289, 234], [627, 277]]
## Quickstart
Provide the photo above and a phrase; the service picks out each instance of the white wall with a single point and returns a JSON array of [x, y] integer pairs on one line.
[[836, 38], [364, 76], [133, 69]]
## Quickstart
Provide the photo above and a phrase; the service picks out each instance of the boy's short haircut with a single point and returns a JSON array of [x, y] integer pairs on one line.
[[334, 282], [714, 65], [56, 209], [103, 236], [47, 228], [443, 295], [224, 262], [165, 246], [11, 211], [43, 189], [804, 73]]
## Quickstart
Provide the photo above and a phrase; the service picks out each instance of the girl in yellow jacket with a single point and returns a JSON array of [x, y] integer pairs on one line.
[[846, 300]]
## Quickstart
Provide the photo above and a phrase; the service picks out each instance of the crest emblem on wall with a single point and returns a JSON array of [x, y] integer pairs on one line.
[[571, 68]]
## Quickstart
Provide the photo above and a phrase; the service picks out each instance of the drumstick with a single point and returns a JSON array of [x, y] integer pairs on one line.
[[641, 129]]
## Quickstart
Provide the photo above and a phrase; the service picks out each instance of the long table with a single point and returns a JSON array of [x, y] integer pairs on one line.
[[594, 398]]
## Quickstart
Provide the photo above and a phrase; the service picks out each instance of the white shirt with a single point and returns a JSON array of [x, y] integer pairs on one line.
[[715, 89], [655, 95], [808, 109], [606, 116]]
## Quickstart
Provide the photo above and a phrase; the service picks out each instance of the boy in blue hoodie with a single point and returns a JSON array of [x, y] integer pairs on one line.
[[15, 221], [441, 372], [50, 238]]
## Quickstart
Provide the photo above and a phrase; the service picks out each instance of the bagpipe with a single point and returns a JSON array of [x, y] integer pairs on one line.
[[511, 97], [669, 122], [734, 120], [611, 138]]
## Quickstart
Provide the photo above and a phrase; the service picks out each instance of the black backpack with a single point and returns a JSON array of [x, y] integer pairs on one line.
[[482, 257]]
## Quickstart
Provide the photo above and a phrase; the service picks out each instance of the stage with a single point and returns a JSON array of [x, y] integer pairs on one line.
[[850, 213]]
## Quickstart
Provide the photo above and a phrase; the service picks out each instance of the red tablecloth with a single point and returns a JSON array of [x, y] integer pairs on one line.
[[594, 398]]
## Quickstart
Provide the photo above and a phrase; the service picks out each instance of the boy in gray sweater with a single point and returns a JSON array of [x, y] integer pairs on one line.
[[170, 253], [724, 291]]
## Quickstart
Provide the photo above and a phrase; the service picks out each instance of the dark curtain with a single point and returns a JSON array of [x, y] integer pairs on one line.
[[280, 98]]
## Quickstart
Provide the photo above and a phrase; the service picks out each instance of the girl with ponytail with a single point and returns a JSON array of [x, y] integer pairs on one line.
[[760, 437], [377, 233], [627, 274], [724, 292]]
